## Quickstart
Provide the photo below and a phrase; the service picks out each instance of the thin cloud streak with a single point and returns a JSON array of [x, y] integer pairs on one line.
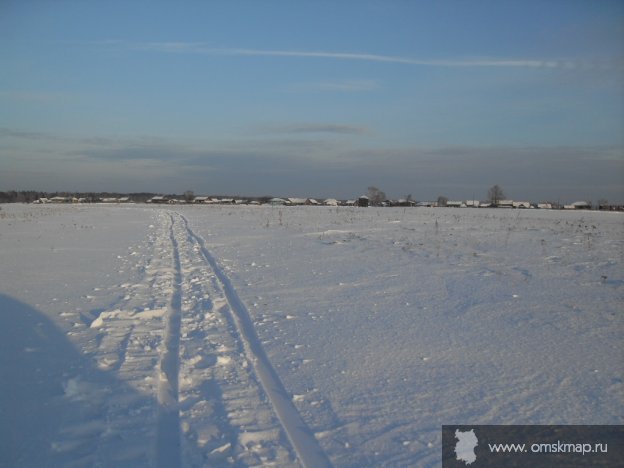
[[203, 49], [339, 129], [26, 135]]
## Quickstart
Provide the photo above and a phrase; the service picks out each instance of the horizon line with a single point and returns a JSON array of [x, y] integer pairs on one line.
[[68, 193]]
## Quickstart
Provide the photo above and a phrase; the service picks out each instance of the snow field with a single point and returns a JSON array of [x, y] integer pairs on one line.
[[387, 323], [259, 336]]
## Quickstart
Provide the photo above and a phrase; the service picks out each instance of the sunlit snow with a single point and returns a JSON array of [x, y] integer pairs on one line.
[[254, 335]]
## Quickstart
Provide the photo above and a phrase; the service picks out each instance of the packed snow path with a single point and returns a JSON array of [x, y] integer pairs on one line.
[[218, 400]]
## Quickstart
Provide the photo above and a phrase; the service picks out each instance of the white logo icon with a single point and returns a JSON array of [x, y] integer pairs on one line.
[[466, 443]]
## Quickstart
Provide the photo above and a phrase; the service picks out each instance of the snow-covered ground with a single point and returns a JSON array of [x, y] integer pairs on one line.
[[249, 336]]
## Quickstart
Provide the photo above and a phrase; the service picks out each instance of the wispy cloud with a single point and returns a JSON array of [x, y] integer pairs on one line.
[[90, 142], [25, 135], [339, 129], [153, 152], [201, 48]]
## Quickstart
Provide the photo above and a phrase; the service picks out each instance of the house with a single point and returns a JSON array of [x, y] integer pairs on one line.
[[312, 202], [277, 202], [60, 200], [201, 200], [523, 205], [579, 205], [158, 199], [403, 202], [363, 201], [473, 203], [485, 205], [296, 201], [505, 204], [424, 204], [544, 206], [350, 203], [330, 202], [455, 204]]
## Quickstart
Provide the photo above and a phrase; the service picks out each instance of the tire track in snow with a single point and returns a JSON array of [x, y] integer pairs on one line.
[[302, 439], [168, 431]]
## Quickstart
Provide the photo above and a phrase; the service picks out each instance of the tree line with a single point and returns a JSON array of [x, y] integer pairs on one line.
[[29, 196], [376, 196]]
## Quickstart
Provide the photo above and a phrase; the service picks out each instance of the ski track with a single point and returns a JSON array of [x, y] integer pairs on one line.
[[302, 439], [190, 384], [168, 434]]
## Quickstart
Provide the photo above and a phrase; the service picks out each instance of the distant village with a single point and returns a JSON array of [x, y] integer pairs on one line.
[[364, 201], [361, 201]]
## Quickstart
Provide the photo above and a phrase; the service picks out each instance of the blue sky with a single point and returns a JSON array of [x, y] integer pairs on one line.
[[314, 98]]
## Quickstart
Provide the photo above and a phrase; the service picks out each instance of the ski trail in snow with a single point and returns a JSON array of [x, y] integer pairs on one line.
[[225, 416], [168, 431], [302, 439]]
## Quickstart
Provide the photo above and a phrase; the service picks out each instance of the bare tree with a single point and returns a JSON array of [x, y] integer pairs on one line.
[[375, 196], [442, 200], [495, 195], [189, 196]]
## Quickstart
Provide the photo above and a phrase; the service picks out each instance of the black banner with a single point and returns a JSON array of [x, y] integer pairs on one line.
[[534, 446]]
